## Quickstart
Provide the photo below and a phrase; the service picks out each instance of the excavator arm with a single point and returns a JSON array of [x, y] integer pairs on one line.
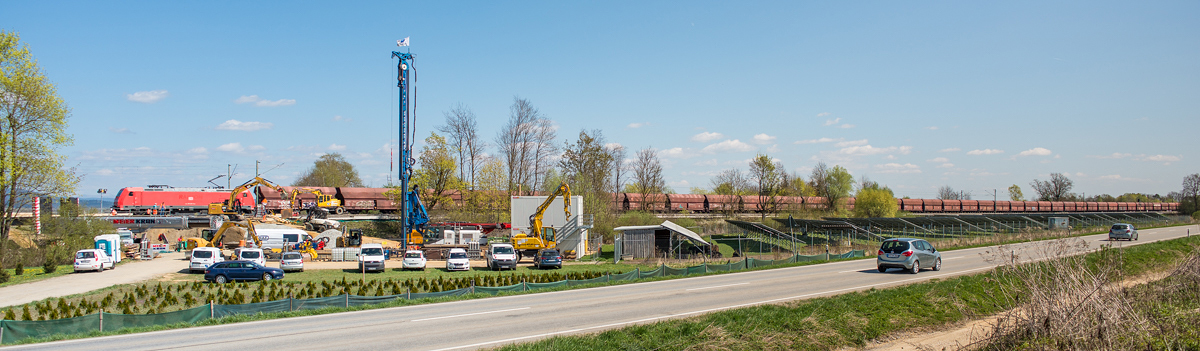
[[220, 234], [535, 220], [228, 208]]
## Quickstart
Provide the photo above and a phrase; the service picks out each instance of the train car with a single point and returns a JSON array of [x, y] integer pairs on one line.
[[307, 199], [788, 203], [970, 206], [1057, 206], [1044, 206], [951, 205], [751, 203], [359, 200], [986, 206], [850, 204], [724, 203], [685, 202], [271, 200], [912, 205], [1141, 206], [932, 205], [172, 200]]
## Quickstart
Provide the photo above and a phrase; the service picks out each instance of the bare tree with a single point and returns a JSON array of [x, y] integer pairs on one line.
[[617, 153], [948, 193], [525, 145], [545, 150], [647, 175], [1191, 191], [462, 134], [1055, 189]]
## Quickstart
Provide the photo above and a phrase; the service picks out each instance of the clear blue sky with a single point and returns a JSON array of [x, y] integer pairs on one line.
[[977, 96]]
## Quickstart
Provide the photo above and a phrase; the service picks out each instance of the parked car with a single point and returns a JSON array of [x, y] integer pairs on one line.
[[92, 260], [1122, 231], [457, 260], [909, 254], [250, 254], [413, 259], [291, 261], [547, 258], [371, 258], [501, 256], [228, 271], [203, 257]]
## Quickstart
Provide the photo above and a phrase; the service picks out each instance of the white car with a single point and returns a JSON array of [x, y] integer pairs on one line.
[[457, 260], [292, 261], [92, 260], [413, 259], [252, 255], [202, 257]]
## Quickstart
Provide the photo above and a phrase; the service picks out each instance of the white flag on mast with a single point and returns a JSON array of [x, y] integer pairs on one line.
[[402, 42]]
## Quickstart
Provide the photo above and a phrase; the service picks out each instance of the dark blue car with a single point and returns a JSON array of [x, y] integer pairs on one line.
[[547, 258], [228, 271]]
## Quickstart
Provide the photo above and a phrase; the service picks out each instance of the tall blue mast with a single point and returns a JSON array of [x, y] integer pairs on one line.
[[406, 160]]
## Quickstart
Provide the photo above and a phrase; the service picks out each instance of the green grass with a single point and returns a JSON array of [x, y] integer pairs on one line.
[[33, 274], [848, 320], [318, 275]]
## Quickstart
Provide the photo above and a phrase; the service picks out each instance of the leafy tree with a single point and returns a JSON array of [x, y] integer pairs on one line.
[[1136, 197], [730, 182], [699, 191], [834, 184], [1055, 189], [766, 179], [437, 171], [330, 170], [33, 124], [1014, 193], [587, 166], [874, 200]]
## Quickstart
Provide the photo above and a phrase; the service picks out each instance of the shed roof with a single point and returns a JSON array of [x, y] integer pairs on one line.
[[666, 225]]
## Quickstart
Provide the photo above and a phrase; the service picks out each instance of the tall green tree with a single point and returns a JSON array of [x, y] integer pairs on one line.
[[874, 201], [766, 176], [330, 170], [437, 172], [1014, 193], [588, 167], [834, 184], [33, 128]]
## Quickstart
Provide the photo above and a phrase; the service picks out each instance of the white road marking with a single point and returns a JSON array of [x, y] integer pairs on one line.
[[856, 270], [714, 287], [469, 314], [951, 258], [572, 331]]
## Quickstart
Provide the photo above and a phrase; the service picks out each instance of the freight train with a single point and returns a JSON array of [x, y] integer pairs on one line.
[[168, 200]]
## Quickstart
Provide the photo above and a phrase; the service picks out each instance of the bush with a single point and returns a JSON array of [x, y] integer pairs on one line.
[[1196, 215], [20, 269], [49, 265], [3, 275]]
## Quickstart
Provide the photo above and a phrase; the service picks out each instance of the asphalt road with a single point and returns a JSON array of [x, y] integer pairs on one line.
[[78, 283], [504, 320]]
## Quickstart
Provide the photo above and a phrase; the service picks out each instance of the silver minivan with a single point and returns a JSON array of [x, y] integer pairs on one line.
[[909, 254], [1122, 231]]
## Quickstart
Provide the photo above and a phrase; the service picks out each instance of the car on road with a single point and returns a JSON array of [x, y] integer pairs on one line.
[[92, 260], [371, 258], [413, 259], [1122, 231], [291, 261], [547, 258], [203, 257], [457, 260], [249, 254], [229, 271], [501, 256], [909, 254]]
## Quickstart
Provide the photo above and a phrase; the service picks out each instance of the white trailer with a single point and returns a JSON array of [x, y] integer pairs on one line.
[[524, 206]]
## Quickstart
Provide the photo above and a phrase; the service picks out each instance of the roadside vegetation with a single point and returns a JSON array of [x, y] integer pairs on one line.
[[1166, 309]]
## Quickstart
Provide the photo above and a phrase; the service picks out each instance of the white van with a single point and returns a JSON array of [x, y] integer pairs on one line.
[[92, 260], [203, 257], [371, 258], [278, 238], [126, 236], [249, 254], [501, 256]]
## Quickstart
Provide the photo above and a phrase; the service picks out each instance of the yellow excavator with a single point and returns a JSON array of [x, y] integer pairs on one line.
[[538, 237], [324, 201], [231, 206], [215, 240]]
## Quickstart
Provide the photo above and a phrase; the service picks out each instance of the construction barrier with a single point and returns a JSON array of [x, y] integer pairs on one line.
[[13, 331]]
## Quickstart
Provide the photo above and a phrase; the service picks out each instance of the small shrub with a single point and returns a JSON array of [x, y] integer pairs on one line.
[[3, 275], [10, 315], [19, 269], [49, 266], [1196, 215]]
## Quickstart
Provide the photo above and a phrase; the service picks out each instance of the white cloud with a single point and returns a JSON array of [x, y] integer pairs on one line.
[[932, 128], [677, 152], [105, 172], [198, 150], [1159, 158], [871, 150], [119, 130], [763, 138], [830, 122], [985, 152], [231, 147], [774, 148], [1118, 177], [846, 126], [256, 148], [939, 160], [953, 149], [611, 146], [946, 165], [823, 114], [637, 125], [1114, 155], [342, 119], [732, 145], [818, 141], [711, 162], [336, 147], [851, 143], [148, 97], [707, 136], [898, 168], [263, 103], [234, 124], [1037, 151]]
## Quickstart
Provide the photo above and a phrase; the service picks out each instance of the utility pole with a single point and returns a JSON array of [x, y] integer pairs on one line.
[[256, 162], [228, 175]]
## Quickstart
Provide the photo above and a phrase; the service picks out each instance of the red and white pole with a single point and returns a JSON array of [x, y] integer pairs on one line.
[[37, 215]]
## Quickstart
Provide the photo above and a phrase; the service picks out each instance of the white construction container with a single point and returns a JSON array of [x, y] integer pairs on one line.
[[336, 254], [351, 254], [524, 206]]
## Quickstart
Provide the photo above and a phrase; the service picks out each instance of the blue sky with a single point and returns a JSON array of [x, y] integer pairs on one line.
[[977, 96]]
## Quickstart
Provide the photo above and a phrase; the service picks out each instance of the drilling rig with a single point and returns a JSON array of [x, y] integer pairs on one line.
[[413, 216]]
